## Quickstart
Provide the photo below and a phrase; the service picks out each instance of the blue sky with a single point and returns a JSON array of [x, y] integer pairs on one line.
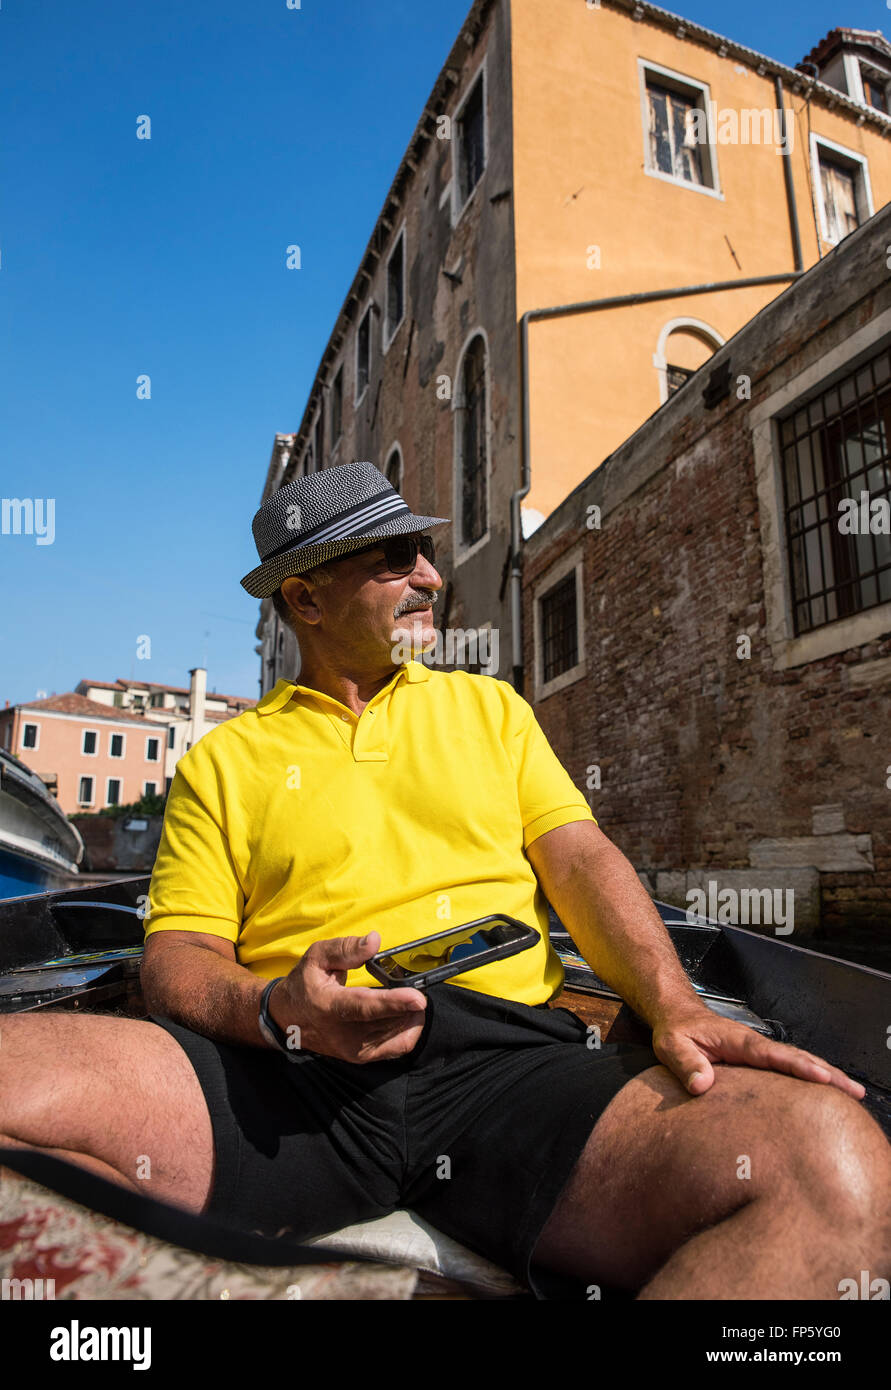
[[121, 257]]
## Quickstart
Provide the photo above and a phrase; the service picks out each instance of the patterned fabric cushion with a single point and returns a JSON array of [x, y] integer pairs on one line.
[[52, 1247]]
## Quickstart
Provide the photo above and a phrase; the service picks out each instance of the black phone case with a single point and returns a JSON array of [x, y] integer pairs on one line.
[[445, 972]]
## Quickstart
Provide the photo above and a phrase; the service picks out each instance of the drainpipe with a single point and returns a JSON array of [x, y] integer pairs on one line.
[[787, 175], [561, 311]]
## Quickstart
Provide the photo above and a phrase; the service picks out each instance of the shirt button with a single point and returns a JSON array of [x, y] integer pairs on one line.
[[345, 718]]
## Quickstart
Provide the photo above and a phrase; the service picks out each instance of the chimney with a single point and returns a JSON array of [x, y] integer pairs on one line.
[[197, 694]]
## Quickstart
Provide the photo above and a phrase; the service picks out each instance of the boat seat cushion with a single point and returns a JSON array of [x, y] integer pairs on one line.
[[403, 1238]]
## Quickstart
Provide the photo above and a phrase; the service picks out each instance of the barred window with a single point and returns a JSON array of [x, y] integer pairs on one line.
[[559, 629], [837, 484]]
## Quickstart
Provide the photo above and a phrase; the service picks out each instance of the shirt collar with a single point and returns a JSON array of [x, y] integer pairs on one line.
[[283, 692]]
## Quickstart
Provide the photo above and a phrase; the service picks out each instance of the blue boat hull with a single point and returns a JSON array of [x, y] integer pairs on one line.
[[20, 875]]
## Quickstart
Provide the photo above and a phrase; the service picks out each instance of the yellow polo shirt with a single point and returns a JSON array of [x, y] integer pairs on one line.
[[299, 821]]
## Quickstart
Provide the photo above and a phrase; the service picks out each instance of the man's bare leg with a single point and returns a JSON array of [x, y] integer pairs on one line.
[[116, 1096], [660, 1199]]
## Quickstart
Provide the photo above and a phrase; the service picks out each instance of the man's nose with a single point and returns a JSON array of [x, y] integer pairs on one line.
[[424, 575]]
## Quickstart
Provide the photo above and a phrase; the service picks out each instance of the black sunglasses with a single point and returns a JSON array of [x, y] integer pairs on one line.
[[401, 552]]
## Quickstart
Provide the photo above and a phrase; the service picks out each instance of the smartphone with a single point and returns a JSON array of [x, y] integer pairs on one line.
[[431, 959]]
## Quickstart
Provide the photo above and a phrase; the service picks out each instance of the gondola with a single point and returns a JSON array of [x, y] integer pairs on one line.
[[81, 949]]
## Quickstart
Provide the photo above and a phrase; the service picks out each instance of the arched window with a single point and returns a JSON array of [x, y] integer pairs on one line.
[[472, 451], [684, 346], [393, 470]]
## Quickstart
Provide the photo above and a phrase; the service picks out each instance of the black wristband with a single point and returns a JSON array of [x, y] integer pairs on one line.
[[270, 1030]]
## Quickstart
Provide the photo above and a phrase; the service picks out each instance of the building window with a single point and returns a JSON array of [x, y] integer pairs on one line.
[[836, 463], [684, 345], [116, 746], [319, 439], [471, 141], [171, 736], [875, 88], [156, 699], [150, 789], [30, 735], [679, 142], [168, 782], [363, 355], [395, 289], [393, 471], [675, 377], [559, 629], [308, 465], [113, 792], [89, 746], [85, 792], [557, 626], [337, 407], [152, 746], [470, 413], [844, 195]]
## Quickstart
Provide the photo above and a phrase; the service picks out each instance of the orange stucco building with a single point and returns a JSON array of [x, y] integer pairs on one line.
[[594, 93]]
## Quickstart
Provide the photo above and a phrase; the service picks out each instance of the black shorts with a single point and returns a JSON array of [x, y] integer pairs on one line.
[[476, 1130]]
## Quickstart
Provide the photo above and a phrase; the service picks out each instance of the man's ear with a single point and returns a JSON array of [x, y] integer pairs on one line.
[[298, 595]]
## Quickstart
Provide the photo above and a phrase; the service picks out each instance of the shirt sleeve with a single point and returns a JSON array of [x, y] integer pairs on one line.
[[548, 796], [195, 883]]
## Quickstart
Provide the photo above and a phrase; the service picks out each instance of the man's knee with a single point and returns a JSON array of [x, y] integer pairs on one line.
[[795, 1136]]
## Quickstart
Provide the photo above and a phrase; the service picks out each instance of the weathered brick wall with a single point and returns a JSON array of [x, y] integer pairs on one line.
[[701, 753], [110, 847]]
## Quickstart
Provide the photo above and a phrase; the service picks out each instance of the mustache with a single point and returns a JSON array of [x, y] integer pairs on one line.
[[416, 603]]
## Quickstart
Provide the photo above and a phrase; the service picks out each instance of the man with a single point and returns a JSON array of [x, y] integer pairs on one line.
[[373, 802]]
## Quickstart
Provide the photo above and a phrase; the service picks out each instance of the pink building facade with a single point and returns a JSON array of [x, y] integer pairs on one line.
[[90, 755]]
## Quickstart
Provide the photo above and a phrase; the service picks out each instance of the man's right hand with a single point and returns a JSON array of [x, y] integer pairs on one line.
[[350, 1022]]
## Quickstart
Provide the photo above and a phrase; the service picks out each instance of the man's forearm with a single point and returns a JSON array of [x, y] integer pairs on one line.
[[610, 916], [197, 987]]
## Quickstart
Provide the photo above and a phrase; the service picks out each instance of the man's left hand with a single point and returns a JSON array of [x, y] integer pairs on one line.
[[690, 1041]]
